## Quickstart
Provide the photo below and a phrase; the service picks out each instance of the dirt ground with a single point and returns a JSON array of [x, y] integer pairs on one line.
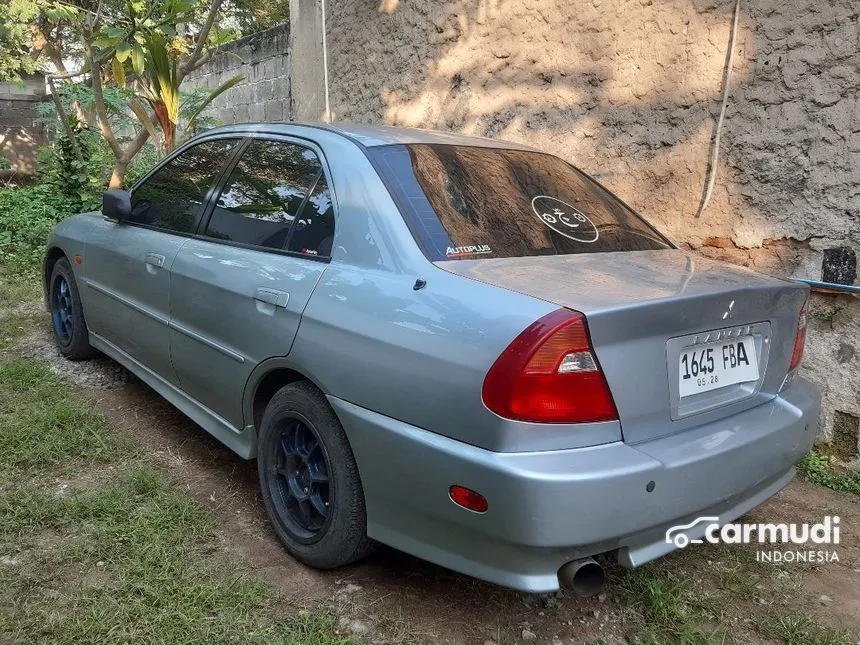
[[397, 598]]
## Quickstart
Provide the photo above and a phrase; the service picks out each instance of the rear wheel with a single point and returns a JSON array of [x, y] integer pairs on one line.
[[309, 480], [67, 313]]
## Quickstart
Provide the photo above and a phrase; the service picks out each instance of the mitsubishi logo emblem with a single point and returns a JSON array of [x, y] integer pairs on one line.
[[729, 313]]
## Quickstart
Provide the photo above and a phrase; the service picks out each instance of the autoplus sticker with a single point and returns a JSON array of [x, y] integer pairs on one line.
[[463, 252], [564, 219]]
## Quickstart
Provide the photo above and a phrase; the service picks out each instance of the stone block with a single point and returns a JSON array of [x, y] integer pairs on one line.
[[255, 112], [274, 111]]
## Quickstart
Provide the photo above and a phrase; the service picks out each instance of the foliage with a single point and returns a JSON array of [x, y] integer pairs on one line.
[[59, 167], [17, 18], [27, 215], [192, 111], [69, 176], [127, 36], [133, 58], [815, 467], [160, 88], [77, 97], [251, 16]]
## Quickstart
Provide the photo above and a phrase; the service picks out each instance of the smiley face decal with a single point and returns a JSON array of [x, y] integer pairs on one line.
[[564, 219]]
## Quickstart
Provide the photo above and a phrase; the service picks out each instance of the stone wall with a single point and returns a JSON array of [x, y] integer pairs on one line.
[[629, 91], [20, 135], [264, 94]]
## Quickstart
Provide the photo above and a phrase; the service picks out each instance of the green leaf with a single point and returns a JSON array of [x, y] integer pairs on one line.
[[115, 32], [184, 6], [226, 85], [118, 70], [137, 59], [103, 42], [123, 51]]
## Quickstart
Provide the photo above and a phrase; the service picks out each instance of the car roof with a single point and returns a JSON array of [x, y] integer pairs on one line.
[[376, 135]]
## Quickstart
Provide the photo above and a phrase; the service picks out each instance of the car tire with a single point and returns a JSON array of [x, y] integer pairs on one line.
[[309, 479], [67, 314]]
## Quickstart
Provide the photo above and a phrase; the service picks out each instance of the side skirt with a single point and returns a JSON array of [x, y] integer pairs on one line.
[[242, 442]]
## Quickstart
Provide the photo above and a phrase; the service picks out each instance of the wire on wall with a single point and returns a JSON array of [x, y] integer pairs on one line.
[[715, 145]]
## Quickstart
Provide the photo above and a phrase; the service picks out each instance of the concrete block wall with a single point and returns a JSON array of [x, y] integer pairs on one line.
[[264, 94], [20, 135]]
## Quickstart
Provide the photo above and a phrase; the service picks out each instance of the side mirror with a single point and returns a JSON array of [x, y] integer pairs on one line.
[[116, 204]]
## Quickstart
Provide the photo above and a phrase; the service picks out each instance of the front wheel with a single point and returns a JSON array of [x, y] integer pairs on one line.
[[67, 313], [309, 479]]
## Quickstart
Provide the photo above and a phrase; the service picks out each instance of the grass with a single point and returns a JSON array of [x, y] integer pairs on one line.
[[815, 467], [719, 595], [17, 313], [670, 610], [99, 545], [800, 629]]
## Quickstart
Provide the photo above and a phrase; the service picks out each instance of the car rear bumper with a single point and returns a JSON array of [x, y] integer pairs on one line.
[[547, 508]]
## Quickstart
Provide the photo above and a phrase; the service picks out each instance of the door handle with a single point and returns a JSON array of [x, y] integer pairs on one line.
[[272, 296], [154, 259]]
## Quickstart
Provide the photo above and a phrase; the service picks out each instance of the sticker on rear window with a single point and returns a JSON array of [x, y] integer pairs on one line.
[[564, 219], [461, 252]]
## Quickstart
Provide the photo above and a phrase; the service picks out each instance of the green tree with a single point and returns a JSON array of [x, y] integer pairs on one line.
[[140, 49], [29, 29], [143, 46]]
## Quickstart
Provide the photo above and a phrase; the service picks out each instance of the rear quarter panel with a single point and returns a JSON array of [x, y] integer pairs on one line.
[[421, 356]]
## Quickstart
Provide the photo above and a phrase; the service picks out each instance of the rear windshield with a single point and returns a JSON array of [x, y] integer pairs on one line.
[[465, 202]]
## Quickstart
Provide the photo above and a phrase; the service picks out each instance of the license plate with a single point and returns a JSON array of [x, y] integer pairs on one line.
[[714, 365]]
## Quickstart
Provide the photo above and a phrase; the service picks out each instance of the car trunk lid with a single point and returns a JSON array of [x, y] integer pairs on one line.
[[644, 308]]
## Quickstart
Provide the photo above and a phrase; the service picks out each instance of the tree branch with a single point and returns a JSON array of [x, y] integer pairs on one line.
[[192, 62], [64, 120], [136, 144], [99, 100]]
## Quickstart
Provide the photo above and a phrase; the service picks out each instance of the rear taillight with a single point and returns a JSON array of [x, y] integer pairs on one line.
[[799, 339], [549, 374]]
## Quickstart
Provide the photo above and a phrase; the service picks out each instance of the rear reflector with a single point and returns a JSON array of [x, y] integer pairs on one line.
[[549, 374], [469, 499], [799, 338]]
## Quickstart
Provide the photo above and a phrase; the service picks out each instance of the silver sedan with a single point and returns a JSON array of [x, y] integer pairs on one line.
[[463, 348]]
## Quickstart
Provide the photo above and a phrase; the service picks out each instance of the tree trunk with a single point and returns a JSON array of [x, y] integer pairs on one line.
[[118, 175]]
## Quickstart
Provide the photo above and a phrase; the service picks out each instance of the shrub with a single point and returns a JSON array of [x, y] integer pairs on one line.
[[27, 215], [79, 182]]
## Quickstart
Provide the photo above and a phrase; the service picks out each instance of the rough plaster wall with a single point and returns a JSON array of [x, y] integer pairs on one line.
[[20, 136], [832, 358], [264, 60], [629, 91]]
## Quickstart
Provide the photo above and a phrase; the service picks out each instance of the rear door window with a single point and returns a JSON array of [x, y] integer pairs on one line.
[[467, 202], [265, 191], [313, 232]]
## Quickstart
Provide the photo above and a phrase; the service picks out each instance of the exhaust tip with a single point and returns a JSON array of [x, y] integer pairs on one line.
[[584, 577]]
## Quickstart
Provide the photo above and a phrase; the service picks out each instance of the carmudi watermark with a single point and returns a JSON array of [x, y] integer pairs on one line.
[[819, 539]]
